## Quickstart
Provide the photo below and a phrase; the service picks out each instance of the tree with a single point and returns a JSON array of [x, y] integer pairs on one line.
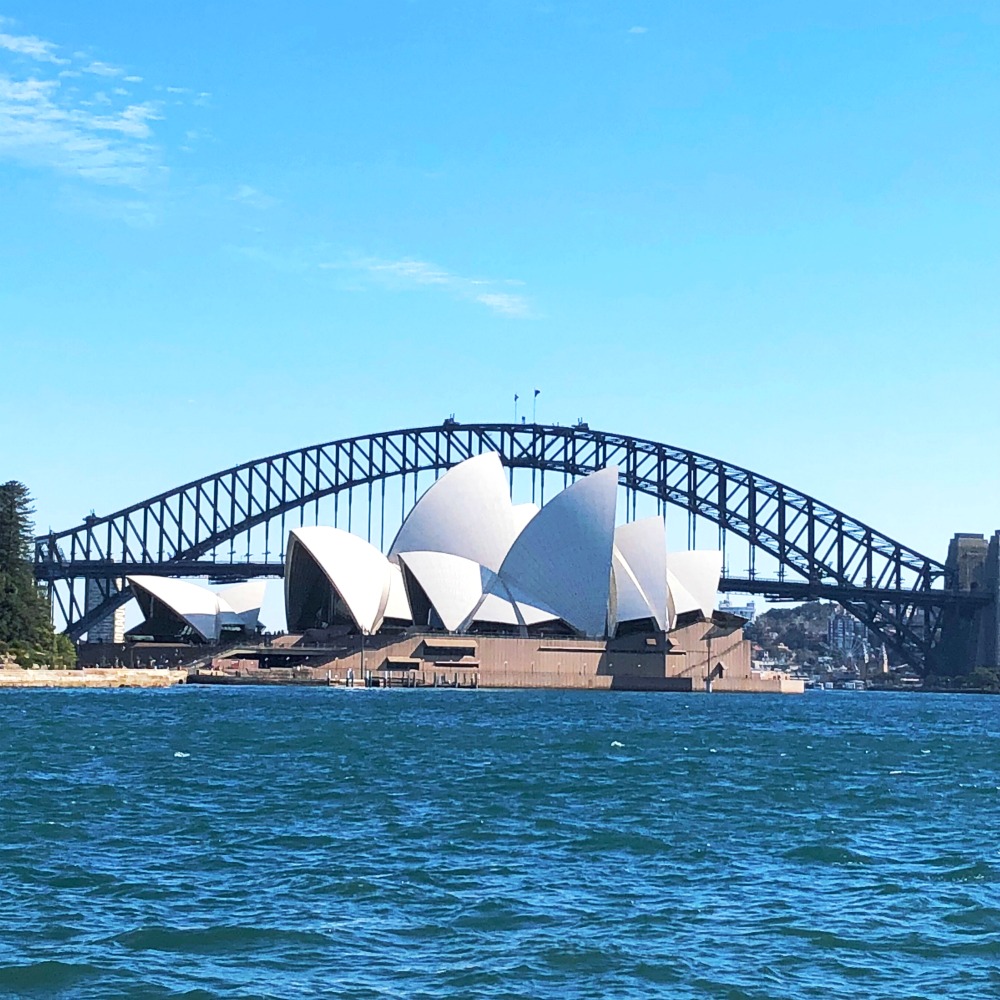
[[25, 627]]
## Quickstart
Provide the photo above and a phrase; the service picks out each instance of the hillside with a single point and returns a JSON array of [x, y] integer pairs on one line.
[[797, 634]]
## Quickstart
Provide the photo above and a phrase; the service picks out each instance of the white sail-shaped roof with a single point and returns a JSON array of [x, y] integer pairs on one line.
[[398, 606], [641, 571], [496, 610], [681, 601], [561, 561], [452, 584], [522, 513], [245, 599], [629, 603], [455, 587], [355, 569], [466, 513], [693, 578], [200, 607]]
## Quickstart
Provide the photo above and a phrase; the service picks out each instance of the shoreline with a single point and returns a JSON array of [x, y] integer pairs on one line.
[[146, 677], [90, 677]]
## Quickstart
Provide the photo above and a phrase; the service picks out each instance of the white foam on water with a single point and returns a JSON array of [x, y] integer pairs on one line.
[[178, 753]]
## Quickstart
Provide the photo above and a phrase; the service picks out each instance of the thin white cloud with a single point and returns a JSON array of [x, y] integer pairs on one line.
[[31, 47], [246, 194], [42, 126], [637, 30], [98, 68], [515, 306], [418, 272], [55, 115], [411, 273]]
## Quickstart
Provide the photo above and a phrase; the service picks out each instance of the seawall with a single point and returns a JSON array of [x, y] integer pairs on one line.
[[92, 677]]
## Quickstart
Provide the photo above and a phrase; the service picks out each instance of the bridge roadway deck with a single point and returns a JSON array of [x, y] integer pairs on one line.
[[772, 588]]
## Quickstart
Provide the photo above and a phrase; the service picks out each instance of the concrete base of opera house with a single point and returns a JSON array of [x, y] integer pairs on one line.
[[701, 656]]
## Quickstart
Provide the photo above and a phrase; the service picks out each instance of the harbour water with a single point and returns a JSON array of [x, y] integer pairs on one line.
[[212, 842]]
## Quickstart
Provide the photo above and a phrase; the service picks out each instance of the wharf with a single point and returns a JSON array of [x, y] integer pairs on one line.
[[300, 677], [273, 676]]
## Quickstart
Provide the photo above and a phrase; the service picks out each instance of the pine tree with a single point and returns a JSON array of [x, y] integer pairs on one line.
[[25, 628]]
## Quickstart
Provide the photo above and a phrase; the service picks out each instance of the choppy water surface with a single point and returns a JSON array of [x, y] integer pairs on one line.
[[300, 843]]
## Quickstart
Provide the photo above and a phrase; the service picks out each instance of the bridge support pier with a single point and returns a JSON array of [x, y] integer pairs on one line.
[[110, 628], [970, 634]]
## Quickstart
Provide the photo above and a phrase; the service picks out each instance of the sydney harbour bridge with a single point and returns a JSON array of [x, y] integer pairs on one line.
[[232, 525]]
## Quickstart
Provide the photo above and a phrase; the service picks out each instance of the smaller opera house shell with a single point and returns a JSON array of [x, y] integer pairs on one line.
[[478, 589], [178, 611]]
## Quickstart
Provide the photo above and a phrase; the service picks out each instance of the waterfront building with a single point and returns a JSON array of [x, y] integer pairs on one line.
[[477, 589]]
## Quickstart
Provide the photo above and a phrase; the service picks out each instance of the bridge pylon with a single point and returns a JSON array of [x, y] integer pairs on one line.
[[970, 632]]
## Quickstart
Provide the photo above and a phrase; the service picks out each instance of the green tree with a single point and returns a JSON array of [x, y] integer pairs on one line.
[[984, 679], [25, 627]]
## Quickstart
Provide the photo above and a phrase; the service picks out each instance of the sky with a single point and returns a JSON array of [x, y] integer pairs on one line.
[[768, 232]]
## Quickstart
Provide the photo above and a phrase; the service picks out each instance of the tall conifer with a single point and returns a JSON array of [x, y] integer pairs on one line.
[[24, 611]]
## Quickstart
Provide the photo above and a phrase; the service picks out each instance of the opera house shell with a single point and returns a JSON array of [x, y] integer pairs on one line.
[[467, 560], [179, 611]]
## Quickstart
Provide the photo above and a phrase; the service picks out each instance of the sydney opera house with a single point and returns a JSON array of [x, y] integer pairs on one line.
[[479, 591]]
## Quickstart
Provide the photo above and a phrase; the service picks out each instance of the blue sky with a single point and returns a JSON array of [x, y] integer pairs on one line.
[[769, 232]]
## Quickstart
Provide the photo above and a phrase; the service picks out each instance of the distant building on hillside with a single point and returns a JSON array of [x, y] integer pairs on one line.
[[845, 633], [747, 611]]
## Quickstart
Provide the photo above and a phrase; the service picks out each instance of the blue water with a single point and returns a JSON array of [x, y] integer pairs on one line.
[[359, 844]]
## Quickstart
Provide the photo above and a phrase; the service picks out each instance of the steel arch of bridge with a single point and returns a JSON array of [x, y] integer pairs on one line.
[[893, 589]]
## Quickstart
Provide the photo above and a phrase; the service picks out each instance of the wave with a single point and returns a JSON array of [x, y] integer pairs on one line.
[[220, 939], [46, 976]]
